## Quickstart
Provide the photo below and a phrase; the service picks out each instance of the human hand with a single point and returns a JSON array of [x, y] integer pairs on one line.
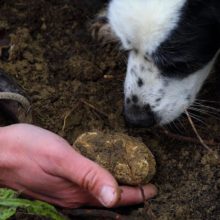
[[43, 165]]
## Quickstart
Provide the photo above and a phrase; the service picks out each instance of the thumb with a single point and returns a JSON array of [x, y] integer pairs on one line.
[[91, 177]]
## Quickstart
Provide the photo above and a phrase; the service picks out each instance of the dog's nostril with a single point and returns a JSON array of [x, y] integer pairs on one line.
[[147, 108], [140, 116], [135, 108]]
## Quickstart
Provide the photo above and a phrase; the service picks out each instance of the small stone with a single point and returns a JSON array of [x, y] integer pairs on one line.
[[39, 66]]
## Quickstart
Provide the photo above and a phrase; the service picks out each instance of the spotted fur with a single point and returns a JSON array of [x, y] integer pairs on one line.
[[172, 47]]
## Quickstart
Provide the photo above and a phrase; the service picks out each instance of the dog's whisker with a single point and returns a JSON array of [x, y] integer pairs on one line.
[[206, 106], [170, 126], [206, 110], [201, 110], [181, 124], [196, 132], [200, 124], [204, 100], [211, 114], [197, 118], [176, 127]]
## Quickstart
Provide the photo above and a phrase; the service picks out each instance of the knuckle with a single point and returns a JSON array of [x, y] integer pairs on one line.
[[90, 179]]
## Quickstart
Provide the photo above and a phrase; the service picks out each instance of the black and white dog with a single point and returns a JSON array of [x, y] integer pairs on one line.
[[172, 47]]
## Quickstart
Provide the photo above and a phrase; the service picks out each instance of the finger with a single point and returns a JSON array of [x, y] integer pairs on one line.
[[91, 177], [130, 196], [134, 195]]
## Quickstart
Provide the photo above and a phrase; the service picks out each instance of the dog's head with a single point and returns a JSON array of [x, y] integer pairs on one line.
[[172, 46]]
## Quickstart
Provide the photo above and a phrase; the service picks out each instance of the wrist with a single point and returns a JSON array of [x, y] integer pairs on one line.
[[3, 146]]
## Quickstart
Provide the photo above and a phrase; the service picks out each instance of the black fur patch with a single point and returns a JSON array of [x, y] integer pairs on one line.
[[157, 100], [140, 82], [193, 43], [128, 101], [134, 99]]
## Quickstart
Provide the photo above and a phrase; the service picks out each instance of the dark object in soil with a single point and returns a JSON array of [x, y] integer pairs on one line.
[[128, 159], [4, 49], [105, 214], [14, 104]]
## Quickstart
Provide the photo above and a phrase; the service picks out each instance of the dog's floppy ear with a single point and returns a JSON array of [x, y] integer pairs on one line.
[[216, 13], [216, 10]]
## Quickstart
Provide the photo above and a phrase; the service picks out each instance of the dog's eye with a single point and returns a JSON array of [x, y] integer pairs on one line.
[[131, 50], [127, 50]]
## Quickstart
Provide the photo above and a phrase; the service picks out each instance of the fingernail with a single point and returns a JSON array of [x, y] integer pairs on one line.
[[108, 196], [150, 191]]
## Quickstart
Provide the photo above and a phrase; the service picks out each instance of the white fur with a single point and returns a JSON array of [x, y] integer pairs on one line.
[[145, 23]]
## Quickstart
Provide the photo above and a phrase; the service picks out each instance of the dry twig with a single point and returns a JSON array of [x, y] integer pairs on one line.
[[196, 132], [187, 139], [67, 114], [94, 108], [147, 207]]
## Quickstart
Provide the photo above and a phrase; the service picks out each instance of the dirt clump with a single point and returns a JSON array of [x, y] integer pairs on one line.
[[127, 158]]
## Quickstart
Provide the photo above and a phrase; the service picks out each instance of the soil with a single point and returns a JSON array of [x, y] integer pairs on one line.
[[76, 85]]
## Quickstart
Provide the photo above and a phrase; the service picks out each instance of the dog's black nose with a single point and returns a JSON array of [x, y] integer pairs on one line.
[[139, 116]]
